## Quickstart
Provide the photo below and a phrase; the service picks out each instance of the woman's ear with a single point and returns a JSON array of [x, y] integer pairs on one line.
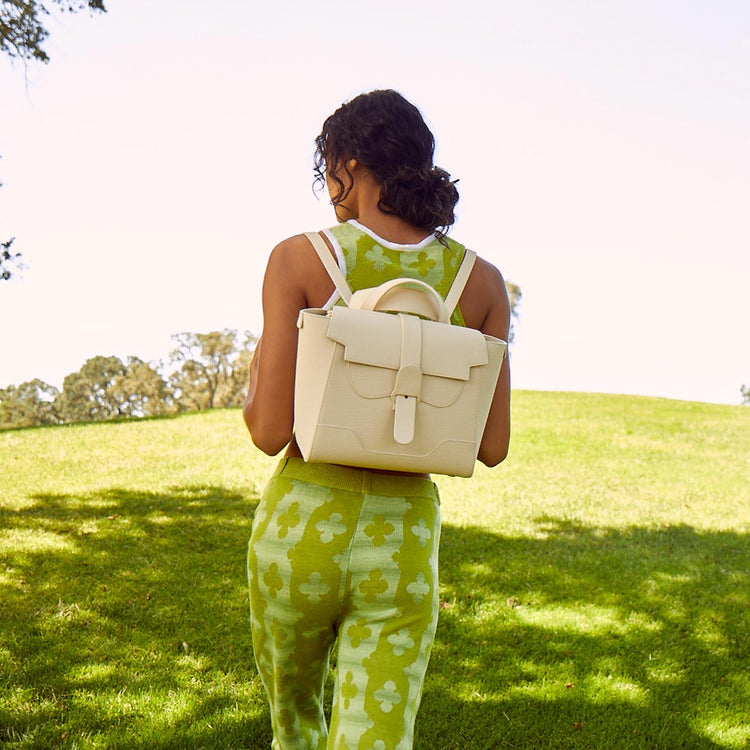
[[351, 165]]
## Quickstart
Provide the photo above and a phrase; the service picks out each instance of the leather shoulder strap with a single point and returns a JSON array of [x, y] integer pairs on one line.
[[454, 293], [330, 265]]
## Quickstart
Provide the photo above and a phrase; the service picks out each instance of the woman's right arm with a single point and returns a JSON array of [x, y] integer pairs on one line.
[[269, 405], [294, 279]]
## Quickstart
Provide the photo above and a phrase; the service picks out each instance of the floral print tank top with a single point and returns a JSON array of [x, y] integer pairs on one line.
[[368, 260]]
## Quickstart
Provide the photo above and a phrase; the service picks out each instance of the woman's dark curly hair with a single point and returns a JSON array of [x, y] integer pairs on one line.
[[387, 135]]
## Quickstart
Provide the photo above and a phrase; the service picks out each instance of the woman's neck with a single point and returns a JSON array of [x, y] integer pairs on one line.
[[365, 199], [392, 228]]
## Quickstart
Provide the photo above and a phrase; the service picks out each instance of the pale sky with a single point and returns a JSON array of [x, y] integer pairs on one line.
[[603, 152]]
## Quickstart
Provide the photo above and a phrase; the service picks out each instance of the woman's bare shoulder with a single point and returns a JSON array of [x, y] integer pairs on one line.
[[292, 251], [485, 296], [294, 263], [486, 274]]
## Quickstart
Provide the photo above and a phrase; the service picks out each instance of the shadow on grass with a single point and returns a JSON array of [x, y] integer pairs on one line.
[[123, 624], [591, 638]]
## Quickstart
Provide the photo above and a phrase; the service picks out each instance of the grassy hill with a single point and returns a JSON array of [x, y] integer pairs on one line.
[[595, 587]]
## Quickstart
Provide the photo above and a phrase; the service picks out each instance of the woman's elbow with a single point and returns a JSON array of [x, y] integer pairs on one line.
[[493, 449], [268, 436], [493, 456], [270, 441], [269, 444]]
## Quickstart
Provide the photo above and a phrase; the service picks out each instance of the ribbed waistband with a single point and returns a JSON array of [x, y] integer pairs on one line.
[[356, 480]]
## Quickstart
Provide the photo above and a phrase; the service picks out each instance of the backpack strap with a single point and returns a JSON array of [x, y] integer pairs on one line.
[[454, 293], [343, 288], [337, 277]]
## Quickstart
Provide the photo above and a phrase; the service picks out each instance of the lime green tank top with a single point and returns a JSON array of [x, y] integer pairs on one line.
[[370, 260]]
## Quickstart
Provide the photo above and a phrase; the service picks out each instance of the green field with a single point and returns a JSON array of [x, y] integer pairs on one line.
[[595, 588]]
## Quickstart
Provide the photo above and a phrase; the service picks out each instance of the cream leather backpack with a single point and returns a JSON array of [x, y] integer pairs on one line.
[[387, 382]]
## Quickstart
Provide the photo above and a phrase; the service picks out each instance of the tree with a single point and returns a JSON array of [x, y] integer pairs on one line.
[[29, 404], [107, 388], [745, 391], [86, 394], [141, 391], [22, 29], [213, 368], [514, 297]]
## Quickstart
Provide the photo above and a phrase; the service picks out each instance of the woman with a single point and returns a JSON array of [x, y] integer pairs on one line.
[[339, 554]]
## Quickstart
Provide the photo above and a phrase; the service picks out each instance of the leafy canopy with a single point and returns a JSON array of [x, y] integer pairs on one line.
[[22, 24], [8, 259]]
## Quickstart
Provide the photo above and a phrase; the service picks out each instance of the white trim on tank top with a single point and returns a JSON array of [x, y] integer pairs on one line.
[[334, 298], [392, 245]]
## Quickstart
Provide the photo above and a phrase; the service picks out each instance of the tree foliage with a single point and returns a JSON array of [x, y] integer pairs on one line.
[[10, 262], [22, 24], [32, 403], [107, 388], [141, 391], [86, 395], [745, 391], [514, 297], [212, 369], [212, 373]]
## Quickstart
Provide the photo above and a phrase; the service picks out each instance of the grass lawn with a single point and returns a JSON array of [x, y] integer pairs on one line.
[[595, 588]]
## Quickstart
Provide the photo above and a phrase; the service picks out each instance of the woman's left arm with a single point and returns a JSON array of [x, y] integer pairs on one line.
[[496, 438]]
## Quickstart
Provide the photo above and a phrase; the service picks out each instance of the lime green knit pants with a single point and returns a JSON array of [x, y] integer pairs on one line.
[[346, 556]]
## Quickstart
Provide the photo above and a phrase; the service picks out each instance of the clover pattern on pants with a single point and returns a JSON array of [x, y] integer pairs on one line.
[[387, 696], [331, 568], [314, 589]]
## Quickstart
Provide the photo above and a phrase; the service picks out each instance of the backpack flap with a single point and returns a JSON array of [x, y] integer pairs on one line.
[[407, 360], [374, 338]]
